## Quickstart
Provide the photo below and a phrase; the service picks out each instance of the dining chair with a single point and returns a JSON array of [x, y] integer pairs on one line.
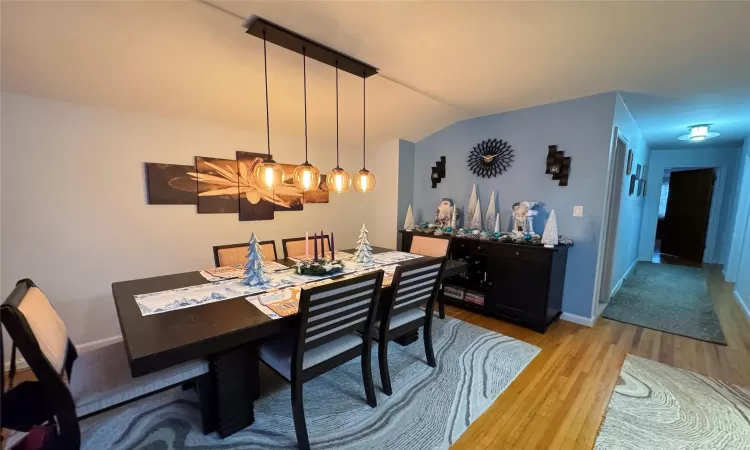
[[233, 254], [432, 246], [335, 326], [295, 247], [97, 380], [413, 285]]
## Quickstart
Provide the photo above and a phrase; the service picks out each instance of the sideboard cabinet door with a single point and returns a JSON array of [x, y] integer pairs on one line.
[[519, 289]]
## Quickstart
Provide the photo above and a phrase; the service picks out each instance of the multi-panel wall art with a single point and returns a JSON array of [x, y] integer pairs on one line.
[[220, 186]]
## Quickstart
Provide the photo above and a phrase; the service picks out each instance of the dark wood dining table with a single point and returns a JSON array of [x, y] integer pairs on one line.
[[226, 333]]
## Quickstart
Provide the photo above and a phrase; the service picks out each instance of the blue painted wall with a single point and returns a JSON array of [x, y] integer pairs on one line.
[[719, 228], [742, 210], [741, 240], [581, 127], [631, 206]]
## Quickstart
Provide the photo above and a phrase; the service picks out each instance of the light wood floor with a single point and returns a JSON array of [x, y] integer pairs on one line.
[[558, 402]]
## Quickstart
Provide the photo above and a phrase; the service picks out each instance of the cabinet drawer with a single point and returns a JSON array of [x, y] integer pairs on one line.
[[521, 254]]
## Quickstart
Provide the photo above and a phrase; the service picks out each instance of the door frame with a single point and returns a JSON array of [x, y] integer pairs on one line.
[[711, 254], [604, 238]]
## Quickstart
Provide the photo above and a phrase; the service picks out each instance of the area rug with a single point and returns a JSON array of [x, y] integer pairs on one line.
[[667, 298], [429, 408], [655, 406]]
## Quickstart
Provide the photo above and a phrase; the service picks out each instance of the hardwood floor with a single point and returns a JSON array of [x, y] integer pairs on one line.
[[558, 402]]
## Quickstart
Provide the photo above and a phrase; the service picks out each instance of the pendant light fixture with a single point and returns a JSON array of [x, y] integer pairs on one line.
[[365, 180], [306, 176], [338, 180], [268, 174]]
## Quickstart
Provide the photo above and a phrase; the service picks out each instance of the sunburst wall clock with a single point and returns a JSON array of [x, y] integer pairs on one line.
[[490, 158]]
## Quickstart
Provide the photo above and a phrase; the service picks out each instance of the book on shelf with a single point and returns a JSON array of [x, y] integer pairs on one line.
[[474, 297], [453, 292]]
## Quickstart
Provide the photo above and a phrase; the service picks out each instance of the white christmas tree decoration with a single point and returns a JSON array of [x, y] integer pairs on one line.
[[363, 253], [453, 217], [255, 274], [409, 222], [549, 238], [497, 223], [489, 216], [469, 213], [476, 220]]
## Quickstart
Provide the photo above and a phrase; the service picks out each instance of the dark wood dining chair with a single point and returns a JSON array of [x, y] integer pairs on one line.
[[435, 246], [413, 285], [295, 247], [234, 254], [98, 380], [335, 326]]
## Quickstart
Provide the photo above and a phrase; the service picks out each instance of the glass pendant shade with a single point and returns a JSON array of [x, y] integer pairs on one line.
[[364, 181], [306, 177], [338, 180], [269, 174]]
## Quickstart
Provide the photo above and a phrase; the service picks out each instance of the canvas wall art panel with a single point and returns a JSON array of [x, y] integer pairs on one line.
[[290, 198], [171, 184], [218, 185], [319, 195], [255, 203]]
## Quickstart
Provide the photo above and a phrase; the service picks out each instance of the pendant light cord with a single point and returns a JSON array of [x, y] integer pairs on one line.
[[265, 72], [304, 81], [337, 113], [364, 111]]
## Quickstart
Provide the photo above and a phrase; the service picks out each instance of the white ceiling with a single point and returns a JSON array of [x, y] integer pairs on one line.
[[678, 63]]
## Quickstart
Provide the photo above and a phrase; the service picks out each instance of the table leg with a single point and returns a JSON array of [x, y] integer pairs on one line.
[[234, 380], [408, 338]]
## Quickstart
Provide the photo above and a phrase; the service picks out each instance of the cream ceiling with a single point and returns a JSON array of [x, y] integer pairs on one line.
[[679, 62]]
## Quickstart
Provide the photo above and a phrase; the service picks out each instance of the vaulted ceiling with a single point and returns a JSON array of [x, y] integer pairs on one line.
[[678, 63]]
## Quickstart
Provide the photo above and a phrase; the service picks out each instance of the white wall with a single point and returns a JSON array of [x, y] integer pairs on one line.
[[631, 206], [719, 231], [75, 218]]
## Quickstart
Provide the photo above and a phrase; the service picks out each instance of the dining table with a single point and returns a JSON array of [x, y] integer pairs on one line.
[[225, 332]]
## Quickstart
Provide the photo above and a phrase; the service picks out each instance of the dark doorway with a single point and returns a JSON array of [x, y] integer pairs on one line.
[[685, 222]]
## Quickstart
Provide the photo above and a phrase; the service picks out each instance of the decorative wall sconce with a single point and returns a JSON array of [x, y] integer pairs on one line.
[[558, 165], [438, 172]]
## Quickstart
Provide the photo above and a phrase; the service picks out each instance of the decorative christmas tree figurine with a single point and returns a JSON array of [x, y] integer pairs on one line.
[[409, 222], [476, 219], [469, 213], [254, 268], [497, 223], [453, 217], [549, 238], [363, 253], [489, 217]]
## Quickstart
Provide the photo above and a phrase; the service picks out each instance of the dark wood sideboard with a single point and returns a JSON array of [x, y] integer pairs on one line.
[[517, 282]]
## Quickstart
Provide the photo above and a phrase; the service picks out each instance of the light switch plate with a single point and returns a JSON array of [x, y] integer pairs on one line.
[[578, 211]]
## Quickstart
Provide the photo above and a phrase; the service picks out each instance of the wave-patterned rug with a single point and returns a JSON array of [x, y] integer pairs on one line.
[[655, 406], [668, 298], [429, 408]]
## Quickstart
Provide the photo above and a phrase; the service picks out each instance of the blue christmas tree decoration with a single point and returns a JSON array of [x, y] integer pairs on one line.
[[255, 274]]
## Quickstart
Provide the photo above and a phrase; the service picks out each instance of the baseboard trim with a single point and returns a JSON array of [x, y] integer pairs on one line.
[[580, 320], [622, 279], [83, 348], [743, 305]]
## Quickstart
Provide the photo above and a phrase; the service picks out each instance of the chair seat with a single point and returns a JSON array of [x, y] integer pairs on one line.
[[402, 319], [277, 353], [101, 378]]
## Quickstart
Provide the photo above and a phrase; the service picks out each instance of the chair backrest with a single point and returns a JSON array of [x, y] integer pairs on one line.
[[42, 338], [295, 247], [233, 254], [332, 310], [430, 246], [415, 284]]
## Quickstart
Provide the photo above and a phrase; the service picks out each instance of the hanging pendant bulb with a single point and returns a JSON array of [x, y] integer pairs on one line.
[[338, 180], [268, 174], [365, 180], [306, 176]]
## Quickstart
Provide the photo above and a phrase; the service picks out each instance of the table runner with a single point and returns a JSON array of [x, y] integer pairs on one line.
[[174, 299]]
